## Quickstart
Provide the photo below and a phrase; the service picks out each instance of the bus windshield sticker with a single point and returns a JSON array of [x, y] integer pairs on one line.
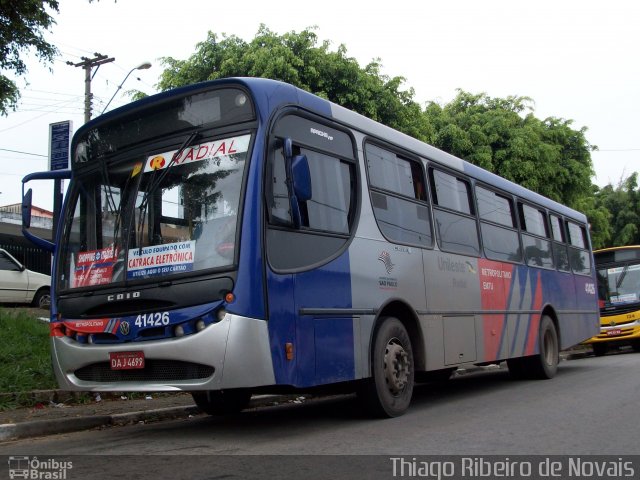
[[626, 298], [219, 150], [137, 168], [161, 259], [93, 267]]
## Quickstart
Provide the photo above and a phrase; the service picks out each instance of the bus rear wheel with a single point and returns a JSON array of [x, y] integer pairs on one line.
[[388, 392], [543, 365], [222, 402]]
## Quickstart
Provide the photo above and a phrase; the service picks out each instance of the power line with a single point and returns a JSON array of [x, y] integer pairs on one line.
[[62, 103], [618, 150], [24, 153]]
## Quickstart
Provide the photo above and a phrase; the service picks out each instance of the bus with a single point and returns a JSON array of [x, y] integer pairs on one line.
[[618, 276], [244, 236]]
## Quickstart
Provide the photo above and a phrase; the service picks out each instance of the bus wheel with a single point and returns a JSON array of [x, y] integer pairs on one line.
[[544, 364], [599, 349], [221, 402], [388, 392]]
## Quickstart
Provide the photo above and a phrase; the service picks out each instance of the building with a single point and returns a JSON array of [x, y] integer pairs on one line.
[[12, 240]]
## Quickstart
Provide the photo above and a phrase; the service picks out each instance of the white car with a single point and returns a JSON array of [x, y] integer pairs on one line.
[[20, 285]]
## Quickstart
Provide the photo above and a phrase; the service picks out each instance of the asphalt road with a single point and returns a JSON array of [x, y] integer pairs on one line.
[[590, 408]]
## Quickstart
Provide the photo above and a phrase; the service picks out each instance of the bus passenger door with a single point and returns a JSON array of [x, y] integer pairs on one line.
[[310, 195]]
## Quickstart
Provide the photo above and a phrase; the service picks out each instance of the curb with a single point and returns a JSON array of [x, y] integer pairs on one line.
[[36, 428], [39, 428]]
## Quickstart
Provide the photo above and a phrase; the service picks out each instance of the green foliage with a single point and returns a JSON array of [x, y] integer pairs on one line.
[[25, 359], [21, 26], [599, 218], [298, 59], [623, 205], [504, 136]]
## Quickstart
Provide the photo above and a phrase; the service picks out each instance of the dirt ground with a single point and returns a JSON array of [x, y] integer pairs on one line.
[[105, 404]]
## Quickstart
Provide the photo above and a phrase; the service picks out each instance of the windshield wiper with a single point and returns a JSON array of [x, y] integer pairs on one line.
[[157, 181], [621, 277], [120, 211]]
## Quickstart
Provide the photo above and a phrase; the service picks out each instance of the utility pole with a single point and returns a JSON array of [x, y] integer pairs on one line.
[[87, 64]]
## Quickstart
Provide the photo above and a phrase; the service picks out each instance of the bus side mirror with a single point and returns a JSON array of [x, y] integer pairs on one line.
[[301, 177], [300, 181], [27, 205], [288, 148], [26, 208]]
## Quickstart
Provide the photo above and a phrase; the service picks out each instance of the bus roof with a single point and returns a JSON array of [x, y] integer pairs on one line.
[[277, 94]]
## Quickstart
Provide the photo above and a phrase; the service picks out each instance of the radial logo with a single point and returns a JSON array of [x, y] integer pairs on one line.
[[157, 162]]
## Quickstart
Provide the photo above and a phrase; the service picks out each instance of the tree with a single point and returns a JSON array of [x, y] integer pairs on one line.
[[297, 58], [623, 204], [504, 136], [21, 26]]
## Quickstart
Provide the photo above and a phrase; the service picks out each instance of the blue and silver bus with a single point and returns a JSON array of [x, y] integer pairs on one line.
[[243, 235]]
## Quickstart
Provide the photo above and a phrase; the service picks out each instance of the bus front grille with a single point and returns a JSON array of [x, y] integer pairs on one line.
[[153, 371]]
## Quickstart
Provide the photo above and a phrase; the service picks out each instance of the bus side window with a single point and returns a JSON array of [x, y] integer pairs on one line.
[[560, 252], [398, 196], [579, 257], [330, 208], [454, 216], [500, 239], [277, 189], [535, 232]]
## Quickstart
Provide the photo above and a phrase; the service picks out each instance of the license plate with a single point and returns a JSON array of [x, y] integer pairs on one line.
[[126, 360], [615, 331]]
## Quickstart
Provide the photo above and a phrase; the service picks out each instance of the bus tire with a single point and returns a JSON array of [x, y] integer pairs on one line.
[[599, 349], [543, 365], [388, 392], [222, 402]]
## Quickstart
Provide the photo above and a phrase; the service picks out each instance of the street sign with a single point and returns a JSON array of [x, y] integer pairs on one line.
[[59, 145]]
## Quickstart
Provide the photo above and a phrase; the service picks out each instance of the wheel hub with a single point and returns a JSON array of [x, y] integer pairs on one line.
[[396, 366]]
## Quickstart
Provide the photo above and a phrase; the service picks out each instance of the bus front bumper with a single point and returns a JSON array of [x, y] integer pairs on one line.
[[233, 353], [617, 330]]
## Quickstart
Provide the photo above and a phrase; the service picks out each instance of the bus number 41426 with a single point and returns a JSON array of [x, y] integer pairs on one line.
[[157, 319]]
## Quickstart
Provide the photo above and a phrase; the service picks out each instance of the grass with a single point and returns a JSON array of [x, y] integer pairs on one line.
[[25, 358]]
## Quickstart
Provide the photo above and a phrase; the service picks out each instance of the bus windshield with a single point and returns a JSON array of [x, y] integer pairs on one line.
[[155, 216], [618, 285]]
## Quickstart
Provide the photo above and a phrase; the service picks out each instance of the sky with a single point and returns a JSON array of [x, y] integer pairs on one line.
[[577, 60]]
